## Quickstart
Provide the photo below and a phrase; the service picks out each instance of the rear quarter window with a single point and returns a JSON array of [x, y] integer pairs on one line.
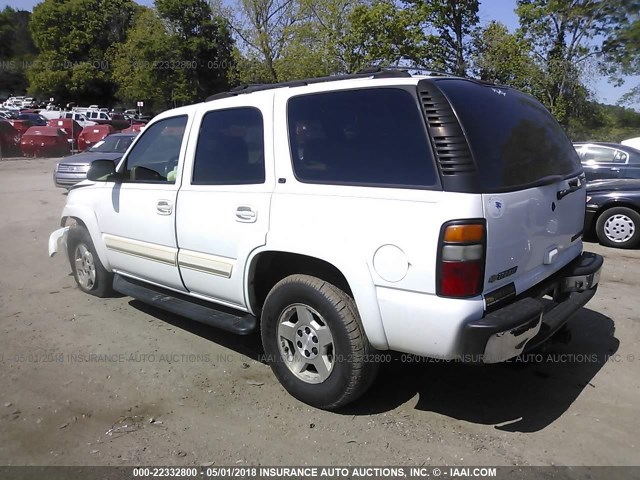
[[365, 137]]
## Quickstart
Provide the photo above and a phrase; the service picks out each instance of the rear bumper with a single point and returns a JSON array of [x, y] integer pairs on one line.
[[532, 319]]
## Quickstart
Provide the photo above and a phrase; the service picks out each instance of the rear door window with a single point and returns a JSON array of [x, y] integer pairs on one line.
[[367, 137], [230, 148], [514, 139]]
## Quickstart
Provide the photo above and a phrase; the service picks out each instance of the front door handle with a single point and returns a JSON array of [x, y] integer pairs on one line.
[[615, 169], [164, 207], [246, 214]]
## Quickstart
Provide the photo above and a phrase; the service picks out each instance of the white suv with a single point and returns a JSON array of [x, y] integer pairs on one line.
[[344, 216]]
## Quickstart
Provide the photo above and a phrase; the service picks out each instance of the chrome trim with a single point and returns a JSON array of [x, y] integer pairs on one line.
[[206, 263], [136, 248]]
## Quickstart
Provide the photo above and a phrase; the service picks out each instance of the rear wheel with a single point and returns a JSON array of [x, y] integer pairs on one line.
[[88, 271], [619, 227], [314, 342]]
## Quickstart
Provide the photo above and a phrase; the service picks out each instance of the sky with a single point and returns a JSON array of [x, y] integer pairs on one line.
[[500, 10]]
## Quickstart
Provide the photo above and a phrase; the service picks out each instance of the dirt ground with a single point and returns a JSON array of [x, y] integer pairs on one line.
[[86, 381]]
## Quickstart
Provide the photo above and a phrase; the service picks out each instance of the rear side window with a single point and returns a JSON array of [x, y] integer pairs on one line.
[[371, 137], [514, 139], [230, 148]]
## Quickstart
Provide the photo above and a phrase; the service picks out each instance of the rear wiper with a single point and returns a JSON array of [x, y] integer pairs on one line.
[[574, 186]]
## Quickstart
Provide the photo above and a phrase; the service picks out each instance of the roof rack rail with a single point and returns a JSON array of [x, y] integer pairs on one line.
[[375, 72]]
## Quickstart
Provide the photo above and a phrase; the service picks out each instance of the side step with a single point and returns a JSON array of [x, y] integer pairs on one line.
[[194, 309]]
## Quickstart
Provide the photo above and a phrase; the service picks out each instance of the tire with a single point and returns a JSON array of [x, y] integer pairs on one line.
[[89, 273], [325, 318], [619, 227]]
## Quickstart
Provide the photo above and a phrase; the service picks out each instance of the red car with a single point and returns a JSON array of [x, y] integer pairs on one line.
[[134, 128], [92, 135], [9, 140], [70, 127], [20, 125], [44, 142]]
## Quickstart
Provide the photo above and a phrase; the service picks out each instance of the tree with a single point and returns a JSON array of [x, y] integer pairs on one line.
[[74, 37], [564, 35], [180, 53], [622, 46], [16, 50], [140, 65], [382, 33], [264, 28], [453, 22], [501, 57], [204, 39]]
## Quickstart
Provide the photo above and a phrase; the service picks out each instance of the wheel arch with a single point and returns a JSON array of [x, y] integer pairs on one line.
[[268, 266], [87, 219]]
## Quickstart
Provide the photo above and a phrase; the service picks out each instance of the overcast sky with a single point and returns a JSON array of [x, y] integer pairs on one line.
[[501, 10]]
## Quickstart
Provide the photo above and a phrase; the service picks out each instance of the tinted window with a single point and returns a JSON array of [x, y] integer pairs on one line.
[[360, 137], [230, 148], [514, 139], [155, 157]]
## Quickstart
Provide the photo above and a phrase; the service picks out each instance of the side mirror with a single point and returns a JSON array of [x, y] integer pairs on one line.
[[102, 171]]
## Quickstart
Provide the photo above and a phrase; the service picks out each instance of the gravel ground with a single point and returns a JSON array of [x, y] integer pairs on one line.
[[87, 381]]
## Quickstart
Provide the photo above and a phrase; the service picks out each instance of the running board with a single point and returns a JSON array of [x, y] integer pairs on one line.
[[185, 306]]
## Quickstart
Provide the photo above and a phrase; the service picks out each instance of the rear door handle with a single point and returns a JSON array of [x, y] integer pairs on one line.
[[164, 207], [246, 214]]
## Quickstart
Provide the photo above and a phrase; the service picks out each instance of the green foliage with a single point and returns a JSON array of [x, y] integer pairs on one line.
[[74, 37], [564, 35], [606, 123], [383, 34], [451, 22], [16, 50], [169, 59], [501, 57]]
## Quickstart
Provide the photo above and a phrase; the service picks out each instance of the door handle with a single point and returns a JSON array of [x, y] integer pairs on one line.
[[246, 214], [615, 169], [164, 207]]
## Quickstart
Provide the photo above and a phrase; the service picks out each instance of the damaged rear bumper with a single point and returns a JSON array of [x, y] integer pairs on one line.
[[532, 319]]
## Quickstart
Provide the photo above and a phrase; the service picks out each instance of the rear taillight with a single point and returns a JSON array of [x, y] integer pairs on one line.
[[461, 255]]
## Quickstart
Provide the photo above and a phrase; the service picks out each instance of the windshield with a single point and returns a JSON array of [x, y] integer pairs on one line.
[[514, 139], [113, 144]]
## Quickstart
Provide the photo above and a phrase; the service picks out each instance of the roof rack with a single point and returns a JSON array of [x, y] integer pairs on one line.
[[374, 72]]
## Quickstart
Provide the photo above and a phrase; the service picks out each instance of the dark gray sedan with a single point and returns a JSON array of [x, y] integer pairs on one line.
[[73, 169]]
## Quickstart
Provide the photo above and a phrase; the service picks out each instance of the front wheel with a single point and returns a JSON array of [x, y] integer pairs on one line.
[[88, 271], [315, 343], [619, 227]]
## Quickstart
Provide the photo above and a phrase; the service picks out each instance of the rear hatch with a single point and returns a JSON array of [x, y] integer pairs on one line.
[[530, 179]]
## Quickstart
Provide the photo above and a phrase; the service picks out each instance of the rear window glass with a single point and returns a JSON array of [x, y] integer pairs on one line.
[[514, 139], [372, 137]]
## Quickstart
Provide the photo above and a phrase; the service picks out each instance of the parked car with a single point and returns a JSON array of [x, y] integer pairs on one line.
[[9, 140], [70, 127], [602, 160], [613, 212], [92, 135], [73, 169], [343, 217], [78, 117], [21, 126], [134, 128], [44, 142], [34, 119]]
